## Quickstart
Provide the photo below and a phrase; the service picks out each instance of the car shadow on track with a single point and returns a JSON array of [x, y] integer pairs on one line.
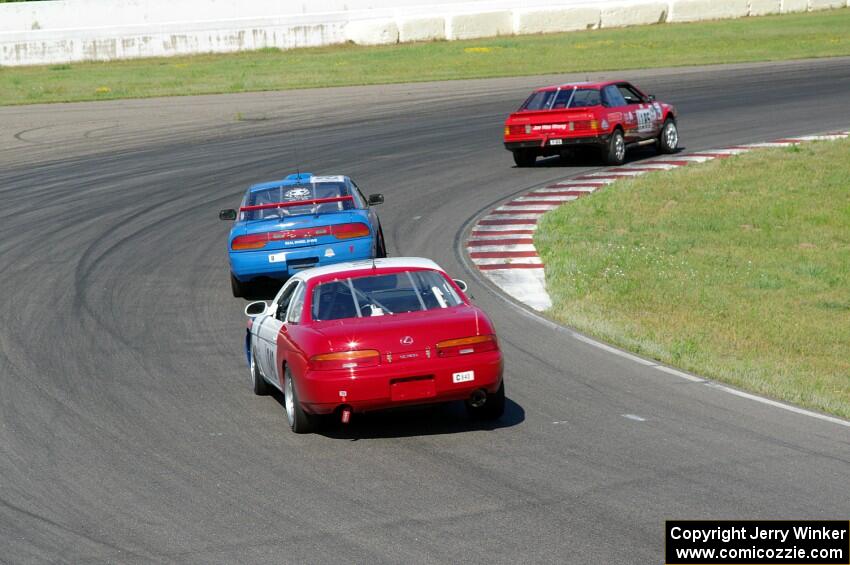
[[265, 289], [431, 419], [590, 158]]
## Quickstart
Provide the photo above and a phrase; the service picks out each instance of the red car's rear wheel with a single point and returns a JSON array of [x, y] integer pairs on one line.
[[615, 152], [258, 383], [299, 421], [524, 157]]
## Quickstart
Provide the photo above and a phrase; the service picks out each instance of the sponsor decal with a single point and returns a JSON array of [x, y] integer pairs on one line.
[[299, 193], [605, 124], [310, 241], [329, 178], [329, 252], [551, 127]]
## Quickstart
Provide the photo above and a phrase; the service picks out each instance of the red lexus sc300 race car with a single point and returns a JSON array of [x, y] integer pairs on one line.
[[368, 335], [609, 116]]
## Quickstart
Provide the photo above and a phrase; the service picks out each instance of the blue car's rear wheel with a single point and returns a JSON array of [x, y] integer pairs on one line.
[[382, 245], [239, 289]]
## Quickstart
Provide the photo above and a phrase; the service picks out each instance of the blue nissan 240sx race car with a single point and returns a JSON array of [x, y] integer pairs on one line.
[[300, 222]]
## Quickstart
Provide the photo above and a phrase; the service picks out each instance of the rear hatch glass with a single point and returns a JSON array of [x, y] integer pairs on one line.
[[562, 99], [280, 202], [382, 295]]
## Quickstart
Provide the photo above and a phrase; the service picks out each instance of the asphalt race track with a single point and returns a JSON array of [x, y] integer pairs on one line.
[[128, 430]]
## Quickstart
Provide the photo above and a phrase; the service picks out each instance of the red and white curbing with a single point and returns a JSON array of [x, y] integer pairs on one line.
[[501, 243]]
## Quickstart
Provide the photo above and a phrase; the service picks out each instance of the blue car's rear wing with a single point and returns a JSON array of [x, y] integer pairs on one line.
[[314, 201]]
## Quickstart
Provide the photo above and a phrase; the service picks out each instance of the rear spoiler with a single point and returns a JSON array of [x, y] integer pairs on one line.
[[313, 201]]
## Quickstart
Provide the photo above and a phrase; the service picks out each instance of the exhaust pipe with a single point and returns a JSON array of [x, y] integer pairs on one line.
[[345, 414], [478, 398]]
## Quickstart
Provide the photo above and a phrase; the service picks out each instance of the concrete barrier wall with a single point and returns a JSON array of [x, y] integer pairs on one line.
[[61, 31]]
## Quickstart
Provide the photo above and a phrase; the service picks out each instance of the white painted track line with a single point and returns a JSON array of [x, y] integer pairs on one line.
[[513, 216], [486, 228], [564, 188], [534, 197], [618, 173], [527, 207], [500, 261], [495, 246]]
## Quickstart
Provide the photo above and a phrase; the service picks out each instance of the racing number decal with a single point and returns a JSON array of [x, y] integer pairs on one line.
[[645, 120]]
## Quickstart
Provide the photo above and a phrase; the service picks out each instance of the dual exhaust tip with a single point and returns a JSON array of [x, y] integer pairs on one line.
[[478, 398]]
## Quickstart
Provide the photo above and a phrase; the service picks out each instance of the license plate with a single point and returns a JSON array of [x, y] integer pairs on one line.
[[556, 142], [412, 389], [463, 377], [277, 258]]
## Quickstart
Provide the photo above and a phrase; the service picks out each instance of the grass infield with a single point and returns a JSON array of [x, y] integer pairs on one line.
[[770, 38], [737, 270]]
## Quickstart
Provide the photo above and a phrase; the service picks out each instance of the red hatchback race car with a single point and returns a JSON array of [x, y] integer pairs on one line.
[[609, 116], [367, 335]]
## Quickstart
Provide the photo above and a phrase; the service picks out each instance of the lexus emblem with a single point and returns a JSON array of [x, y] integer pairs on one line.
[[406, 340]]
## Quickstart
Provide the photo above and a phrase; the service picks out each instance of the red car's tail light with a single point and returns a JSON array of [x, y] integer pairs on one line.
[[345, 360], [253, 241], [467, 345], [350, 231]]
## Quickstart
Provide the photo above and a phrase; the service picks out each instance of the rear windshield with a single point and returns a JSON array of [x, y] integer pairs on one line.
[[295, 193], [562, 99], [382, 295]]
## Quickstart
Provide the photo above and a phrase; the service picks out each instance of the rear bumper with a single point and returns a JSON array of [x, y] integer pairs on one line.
[[248, 265], [390, 385], [545, 144]]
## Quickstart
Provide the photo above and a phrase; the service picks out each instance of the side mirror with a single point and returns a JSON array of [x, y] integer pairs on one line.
[[462, 284], [652, 98], [255, 309], [375, 199], [229, 214]]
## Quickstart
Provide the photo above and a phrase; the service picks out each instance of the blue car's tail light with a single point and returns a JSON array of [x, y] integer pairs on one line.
[[253, 241], [350, 231]]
